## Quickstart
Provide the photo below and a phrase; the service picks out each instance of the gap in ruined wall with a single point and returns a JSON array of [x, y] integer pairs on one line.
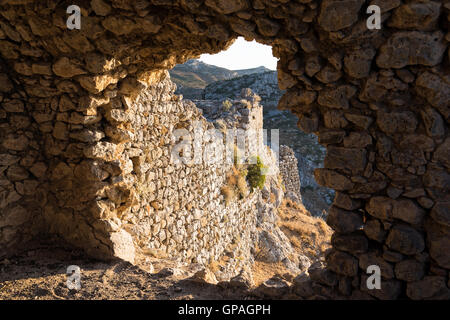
[[212, 86], [222, 76]]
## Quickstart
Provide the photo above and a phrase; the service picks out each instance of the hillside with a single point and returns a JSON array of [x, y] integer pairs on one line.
[[243, 72], [193, 76], [265, 84]]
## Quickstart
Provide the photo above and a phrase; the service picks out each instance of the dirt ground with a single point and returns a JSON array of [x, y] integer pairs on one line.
[[39, 270], [40, 274]]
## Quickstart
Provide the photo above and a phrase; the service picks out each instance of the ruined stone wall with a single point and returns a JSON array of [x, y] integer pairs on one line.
[[378, 100], [22, 168], [177, 205], [289, 170], [161, 205]]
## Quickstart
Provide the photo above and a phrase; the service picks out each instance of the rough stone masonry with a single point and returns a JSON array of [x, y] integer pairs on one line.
[[377, 99]]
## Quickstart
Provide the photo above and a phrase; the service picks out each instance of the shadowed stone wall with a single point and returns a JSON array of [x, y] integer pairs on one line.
[[378, 100]]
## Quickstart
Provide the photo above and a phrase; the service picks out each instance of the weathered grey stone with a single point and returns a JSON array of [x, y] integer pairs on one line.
[[438, 241], [100, 7], [294, 98], [87, 135], [368, 259], [8, 159], [391, 256], [334, 119], [350, 159], [409, 270], [390, 289], [308, 124], [14, 216], [395, 122], [436, 177], [337, 15], [302, 286], [344, 201], [441, 213], [441, 154], [344, 221], [411, 48], [407, 211], [331, 137], [275, 287], [342, 263], [13, 106], [357, 140], [336, 98], [14, 142], [16, 173], [226, 7], [435, 90], [66, 69], [352, 243], [357, 64], [267, 27], [38, 169], [431, 287], [359, 120], [416, 16], [374, 230], [122, 245], [405, 240], [332, 179]]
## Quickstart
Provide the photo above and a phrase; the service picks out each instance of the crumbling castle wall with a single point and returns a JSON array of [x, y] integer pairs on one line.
[[289, 170], [378, 99]]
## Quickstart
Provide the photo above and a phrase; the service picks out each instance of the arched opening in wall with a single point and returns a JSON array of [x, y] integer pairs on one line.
[[222, 76], [215, 83], [86, 117]]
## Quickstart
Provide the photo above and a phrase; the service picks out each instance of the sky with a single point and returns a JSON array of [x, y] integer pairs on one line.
[[242, 55]]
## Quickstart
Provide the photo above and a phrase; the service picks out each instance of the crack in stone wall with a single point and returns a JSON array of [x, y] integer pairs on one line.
[[377, 99]]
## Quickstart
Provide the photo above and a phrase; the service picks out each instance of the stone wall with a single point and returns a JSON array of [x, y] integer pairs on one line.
[[377, 99], [289, 170]]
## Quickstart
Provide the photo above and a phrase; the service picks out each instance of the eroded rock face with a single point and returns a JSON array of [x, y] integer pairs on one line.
[[412, 48], [378, 99]]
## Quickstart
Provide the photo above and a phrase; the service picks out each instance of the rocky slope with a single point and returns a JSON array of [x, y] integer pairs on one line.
[[264, 84]]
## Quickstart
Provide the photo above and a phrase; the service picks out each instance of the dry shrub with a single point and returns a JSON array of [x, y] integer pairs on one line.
[[323, 226], [228, 193], [236, 185], [214, 266], [310, 236], [233, 177], [242, 186]]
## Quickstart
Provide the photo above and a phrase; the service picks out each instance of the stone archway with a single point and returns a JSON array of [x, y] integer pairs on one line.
[[378, 100]]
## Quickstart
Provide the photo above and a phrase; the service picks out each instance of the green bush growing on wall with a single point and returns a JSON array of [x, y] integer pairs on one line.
[[255, 174]]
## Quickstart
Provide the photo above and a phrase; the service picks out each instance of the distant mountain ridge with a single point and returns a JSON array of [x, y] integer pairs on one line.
[[194, 75], [265, 84], [243, 72]]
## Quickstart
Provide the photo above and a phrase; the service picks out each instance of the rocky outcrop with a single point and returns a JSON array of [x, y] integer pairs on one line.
[[68, 143], [264, 84]]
